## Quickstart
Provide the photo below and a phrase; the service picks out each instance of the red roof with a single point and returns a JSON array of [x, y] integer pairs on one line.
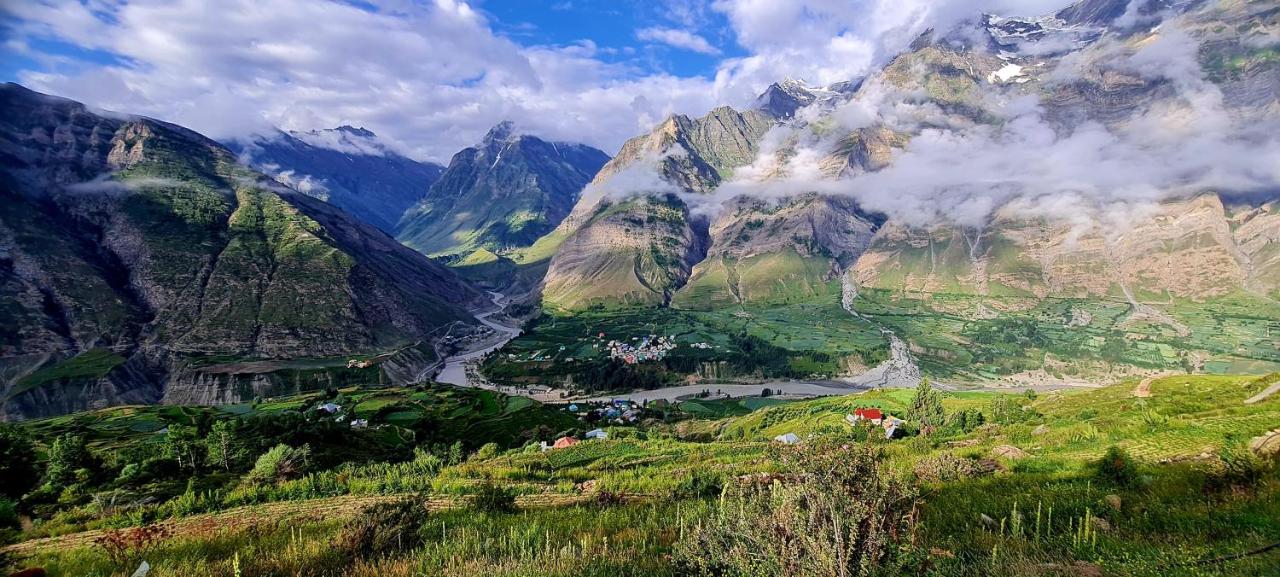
[[868, 413], [563, 442]]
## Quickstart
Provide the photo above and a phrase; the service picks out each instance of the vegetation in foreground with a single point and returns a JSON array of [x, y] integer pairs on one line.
[[1097, 482]]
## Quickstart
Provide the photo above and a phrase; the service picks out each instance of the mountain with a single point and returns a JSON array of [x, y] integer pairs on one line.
[[782, 99], [714, 213], [499, 195], [346, 167], [141, 263], [628, 248]]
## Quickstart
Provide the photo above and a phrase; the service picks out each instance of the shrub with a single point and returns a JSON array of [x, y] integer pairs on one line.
[[833, 513], [279, 463], [946, 467], [1117, 467], [699, 483], [486, 451], [493, 498], [383, 528], [8, 513], [1241, 468], [128, 547]]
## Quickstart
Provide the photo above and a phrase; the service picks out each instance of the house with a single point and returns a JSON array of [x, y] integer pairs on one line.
[[330, 408], [597, 434], [787, 439], [360, 424], [873, 415], [564, 442]]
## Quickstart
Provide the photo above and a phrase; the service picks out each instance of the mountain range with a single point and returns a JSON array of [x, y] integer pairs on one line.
[[141, 263], [758, 208], [922, 210]]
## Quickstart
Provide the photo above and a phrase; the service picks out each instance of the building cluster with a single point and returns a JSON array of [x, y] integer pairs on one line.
[[649, 348], [617, 411]]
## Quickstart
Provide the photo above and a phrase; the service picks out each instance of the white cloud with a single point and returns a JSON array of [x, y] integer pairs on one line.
[[682, 39], [431, 77]]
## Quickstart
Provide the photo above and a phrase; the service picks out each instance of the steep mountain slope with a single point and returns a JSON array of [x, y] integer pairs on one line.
[[1007, 281], [141, 263], [764, 253], [346, 167], [500, 195], [630, 240]]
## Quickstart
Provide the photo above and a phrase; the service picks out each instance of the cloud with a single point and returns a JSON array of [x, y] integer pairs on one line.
[[954, 170], [108, 184], [431, 77], [682, 39]]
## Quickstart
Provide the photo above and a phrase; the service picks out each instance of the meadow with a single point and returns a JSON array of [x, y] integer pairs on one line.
[[1081, 482]]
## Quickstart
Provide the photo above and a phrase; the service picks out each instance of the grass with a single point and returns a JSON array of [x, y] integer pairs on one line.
[[1166, 523], [91, 364]]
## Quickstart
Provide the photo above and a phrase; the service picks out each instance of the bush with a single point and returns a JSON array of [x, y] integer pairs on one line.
[[18, 472], [1241, 468], [128, 547], [384, 528], [1117, 467], [834, 512], [486, 451], [699, 483], [493, 498], [279, 463], [947, 467]]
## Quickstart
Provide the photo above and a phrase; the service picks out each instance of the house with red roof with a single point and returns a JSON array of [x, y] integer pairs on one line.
[[875, 416], [563, 442]]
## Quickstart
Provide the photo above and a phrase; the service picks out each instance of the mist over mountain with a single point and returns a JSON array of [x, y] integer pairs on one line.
[[347, 167]]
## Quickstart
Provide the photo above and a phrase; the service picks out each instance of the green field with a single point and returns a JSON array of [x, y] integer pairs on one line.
[[628, 505]]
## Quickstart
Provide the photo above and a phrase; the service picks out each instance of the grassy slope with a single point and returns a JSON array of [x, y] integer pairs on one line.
[[1169, 510]]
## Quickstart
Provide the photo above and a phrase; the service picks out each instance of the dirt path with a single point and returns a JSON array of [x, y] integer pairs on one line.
[[283, 511], [1143, 389], [1264, 395]]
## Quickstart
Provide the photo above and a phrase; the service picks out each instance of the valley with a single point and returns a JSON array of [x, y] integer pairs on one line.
[[704, 289]]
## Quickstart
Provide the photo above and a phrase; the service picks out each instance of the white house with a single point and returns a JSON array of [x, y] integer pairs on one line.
[[330, 408], [787, 439], [597, 434]]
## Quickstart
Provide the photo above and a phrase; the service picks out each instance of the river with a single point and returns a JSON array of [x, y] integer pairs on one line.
[[455, 367]]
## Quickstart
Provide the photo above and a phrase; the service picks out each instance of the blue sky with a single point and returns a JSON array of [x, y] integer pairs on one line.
[[615, 27], [432, 76]]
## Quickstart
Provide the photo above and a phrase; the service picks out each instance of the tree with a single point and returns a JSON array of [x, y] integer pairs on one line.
[[222, 447], [182, 443], [456, 453], [67, 455], [18, 473], [926, 406]]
